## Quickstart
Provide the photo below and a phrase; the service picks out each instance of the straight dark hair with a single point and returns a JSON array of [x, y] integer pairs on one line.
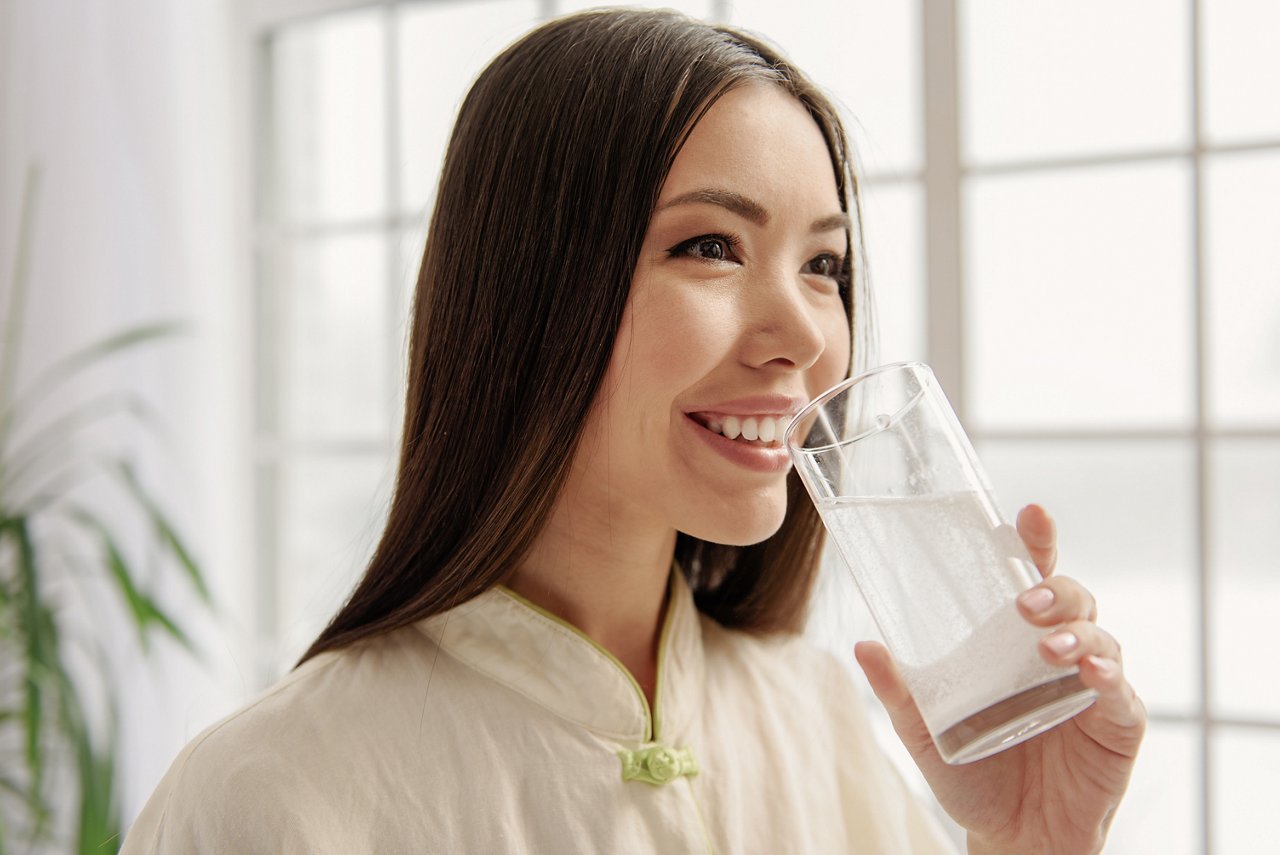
[[557, 159]]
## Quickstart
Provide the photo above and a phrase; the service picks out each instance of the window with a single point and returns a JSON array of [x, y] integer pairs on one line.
[[1119, 303], [1071, 215]]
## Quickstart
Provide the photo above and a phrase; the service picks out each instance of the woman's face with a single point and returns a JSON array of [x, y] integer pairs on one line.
[[734, 321]]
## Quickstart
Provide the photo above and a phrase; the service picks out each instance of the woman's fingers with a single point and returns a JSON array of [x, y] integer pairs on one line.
[[1117, 718], [1040, 534], [1118, 704], [1118, 715], [1070, 643], [889, 687], [1056, 600]]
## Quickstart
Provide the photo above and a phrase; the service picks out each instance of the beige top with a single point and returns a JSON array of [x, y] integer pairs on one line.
[[498, 728]]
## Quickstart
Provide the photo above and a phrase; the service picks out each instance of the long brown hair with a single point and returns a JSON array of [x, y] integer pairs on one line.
[[556, 162]]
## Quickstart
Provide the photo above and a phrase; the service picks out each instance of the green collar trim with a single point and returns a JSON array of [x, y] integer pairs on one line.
[[651, 715]]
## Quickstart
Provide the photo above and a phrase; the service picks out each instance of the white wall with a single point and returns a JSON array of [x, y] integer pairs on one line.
[[135, 111]]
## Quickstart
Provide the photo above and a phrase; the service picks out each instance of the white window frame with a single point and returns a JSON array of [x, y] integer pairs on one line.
[[942, 180]]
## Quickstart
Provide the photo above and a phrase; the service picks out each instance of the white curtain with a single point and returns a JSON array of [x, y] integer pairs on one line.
[[134, 112]]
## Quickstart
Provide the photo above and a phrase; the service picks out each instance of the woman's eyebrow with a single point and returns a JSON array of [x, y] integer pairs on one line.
[[748, 208], [831, 223], [735, 202]]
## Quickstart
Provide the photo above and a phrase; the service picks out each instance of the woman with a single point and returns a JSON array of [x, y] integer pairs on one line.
[[578, 633]]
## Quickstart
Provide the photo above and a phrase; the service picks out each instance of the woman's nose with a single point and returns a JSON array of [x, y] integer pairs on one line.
[[783, 328]]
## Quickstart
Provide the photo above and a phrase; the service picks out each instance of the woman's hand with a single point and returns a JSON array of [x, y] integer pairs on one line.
[[1055, 793]]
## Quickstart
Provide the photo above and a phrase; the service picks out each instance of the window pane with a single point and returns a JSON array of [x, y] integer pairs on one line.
[[1078, 300], [328, 118], [442, 48], [1243, 222], [1244, 503], [1246, 778], [332, 511], [1161, 810], [1043, 78], [867, 54], [333, 298], [1126, 519], [1241, 69], [894, 230]]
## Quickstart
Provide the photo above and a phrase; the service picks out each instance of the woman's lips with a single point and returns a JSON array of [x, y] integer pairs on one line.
[[768, 459]]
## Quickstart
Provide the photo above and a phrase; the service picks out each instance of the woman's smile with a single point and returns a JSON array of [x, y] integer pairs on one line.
[[757, 455], [748, 431]]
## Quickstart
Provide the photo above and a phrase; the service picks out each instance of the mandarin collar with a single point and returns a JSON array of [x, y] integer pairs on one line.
[[556, 665]]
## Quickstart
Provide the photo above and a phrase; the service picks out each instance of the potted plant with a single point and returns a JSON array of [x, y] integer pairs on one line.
[[57, 769]]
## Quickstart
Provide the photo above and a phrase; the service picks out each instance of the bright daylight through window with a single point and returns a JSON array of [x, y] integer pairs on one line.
[[1087, 190]]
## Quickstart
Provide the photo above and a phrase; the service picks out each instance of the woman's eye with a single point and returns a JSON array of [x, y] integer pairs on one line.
[[825, 265], [706, 247], [710, 248]]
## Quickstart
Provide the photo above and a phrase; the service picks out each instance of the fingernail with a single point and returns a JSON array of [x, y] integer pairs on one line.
[[1036, 600], [1061, 643], [1105, 667]]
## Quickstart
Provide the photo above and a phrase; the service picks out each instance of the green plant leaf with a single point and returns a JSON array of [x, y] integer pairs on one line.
[[77, 361], [12, 787], [142, 608], [18, 791], [56, 436], [10, 587], [16, 310], [28, 607], [70, 474], [99, 821], [33, 725], [164, 529], [40, 658]]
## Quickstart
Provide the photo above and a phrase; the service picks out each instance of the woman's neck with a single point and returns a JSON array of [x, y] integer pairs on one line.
[[607, 578]]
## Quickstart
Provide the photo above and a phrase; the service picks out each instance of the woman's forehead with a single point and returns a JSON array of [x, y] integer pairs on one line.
[[756, 142]]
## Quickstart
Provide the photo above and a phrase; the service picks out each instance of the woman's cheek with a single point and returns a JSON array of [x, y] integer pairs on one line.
[[836, 358], [687, 338]]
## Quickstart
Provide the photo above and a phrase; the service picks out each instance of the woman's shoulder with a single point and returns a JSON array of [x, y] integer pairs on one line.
[[321, 696], [257, 774]]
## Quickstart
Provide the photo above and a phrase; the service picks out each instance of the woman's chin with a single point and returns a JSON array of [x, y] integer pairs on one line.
[[744, 526]]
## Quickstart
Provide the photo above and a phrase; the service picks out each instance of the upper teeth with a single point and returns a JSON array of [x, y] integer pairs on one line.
[[762, 428]]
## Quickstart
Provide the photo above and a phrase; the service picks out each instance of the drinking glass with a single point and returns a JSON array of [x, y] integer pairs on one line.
[[911, 511]]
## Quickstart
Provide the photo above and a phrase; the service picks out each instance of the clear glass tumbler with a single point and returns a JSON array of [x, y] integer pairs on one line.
[[911, 511]]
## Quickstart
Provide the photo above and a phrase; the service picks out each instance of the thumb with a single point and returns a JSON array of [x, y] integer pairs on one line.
[[887, 683]]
